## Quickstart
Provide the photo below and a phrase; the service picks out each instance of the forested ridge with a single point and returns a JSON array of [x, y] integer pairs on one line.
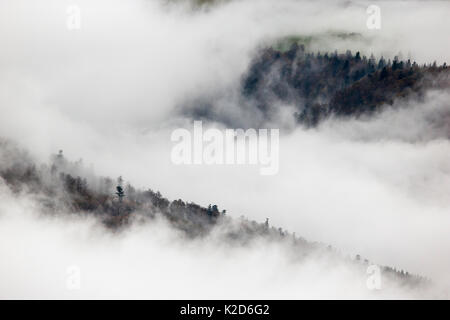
[[62, 187], [321, 85]]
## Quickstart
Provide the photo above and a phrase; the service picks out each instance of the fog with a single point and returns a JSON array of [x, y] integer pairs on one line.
[[70, 258], [113, 91]]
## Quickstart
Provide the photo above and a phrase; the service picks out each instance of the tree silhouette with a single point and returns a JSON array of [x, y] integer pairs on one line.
[[120, 193]]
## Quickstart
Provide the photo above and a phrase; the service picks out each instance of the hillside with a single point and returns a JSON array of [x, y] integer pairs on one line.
[[342, 85], [63, 187]]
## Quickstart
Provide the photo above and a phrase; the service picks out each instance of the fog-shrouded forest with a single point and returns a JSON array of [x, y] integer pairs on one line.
[[65, 189], [92, 205], [323, 85]]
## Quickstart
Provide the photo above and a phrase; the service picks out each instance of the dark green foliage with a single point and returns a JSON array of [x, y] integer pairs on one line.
[[120, 193], [65, 192], [334, 84]]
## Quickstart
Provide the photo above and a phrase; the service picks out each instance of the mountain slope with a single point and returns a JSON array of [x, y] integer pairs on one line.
[[63, 187]]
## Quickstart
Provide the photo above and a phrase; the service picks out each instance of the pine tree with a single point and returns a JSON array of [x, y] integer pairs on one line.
[[120, 193]]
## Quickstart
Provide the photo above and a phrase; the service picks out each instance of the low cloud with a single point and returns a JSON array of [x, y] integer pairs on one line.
[[71, 257], [111, 92]]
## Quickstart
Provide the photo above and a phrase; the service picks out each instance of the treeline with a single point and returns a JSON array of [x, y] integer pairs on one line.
[[333, 84], [68, 187]]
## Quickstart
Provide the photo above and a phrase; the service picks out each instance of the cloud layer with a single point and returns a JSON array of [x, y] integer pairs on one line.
[[110, 93]]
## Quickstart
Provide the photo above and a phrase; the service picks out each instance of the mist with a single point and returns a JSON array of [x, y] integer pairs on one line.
[[70, 257], [114, 90]]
